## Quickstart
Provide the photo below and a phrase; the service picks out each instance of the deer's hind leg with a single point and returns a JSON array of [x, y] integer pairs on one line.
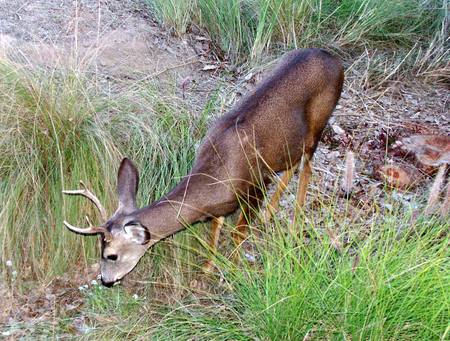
[[216, 226], [317, 113], [272, 206], [303, 179], [305, 172]]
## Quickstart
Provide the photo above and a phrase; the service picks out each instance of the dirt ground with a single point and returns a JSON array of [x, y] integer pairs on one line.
[[120, 42], [116, 40]]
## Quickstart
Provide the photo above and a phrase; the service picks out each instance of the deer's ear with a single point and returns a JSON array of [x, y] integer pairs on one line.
[[137, 233], [127, 186]]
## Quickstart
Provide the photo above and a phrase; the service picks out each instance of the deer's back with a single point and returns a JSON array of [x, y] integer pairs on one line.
[[266, 129]]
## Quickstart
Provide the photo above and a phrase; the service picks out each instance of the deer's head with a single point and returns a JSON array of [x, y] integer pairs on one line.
[[124, 239]]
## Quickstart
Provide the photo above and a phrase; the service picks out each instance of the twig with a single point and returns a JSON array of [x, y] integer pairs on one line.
[[156, 74]]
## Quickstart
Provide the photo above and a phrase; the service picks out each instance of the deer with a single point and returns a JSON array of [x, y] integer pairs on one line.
[[274, 129]]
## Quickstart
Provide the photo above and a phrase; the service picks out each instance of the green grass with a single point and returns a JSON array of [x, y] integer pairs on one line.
[[410, 34], [394, 291], [391, 285], [58, 129], [50, 138], [389, 281]]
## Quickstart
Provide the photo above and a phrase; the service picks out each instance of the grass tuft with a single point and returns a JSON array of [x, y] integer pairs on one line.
[[410, 38], [56, 129], [392, 284]]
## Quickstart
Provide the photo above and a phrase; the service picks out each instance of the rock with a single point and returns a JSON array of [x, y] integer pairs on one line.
[[210, 67], [337, 129]]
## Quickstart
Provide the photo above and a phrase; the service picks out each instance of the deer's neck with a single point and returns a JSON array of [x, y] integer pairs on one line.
[[172, 213]]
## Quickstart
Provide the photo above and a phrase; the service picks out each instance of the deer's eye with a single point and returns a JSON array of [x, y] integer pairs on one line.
[[112, 257]]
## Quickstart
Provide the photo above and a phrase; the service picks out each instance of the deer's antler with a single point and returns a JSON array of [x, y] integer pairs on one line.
[[91, 229]]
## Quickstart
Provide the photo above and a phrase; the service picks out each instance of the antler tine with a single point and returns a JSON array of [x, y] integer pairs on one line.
[[91, 196], [82, 230], [89, 230]]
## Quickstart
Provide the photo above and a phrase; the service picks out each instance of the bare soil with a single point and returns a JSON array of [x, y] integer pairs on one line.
[[116, 40]]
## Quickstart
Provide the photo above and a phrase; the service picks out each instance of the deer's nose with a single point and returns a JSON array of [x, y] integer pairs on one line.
[[108, 284], [112, 257]]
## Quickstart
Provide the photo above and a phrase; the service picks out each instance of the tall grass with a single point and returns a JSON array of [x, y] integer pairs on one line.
[[176, 13], [415, 31], [50, 138], [56, 129], [390, 285]]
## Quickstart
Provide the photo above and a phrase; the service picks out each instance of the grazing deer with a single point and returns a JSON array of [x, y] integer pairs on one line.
[[270, 130]]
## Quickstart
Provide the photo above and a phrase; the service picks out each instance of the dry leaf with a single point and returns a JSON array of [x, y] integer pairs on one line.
[[430, 150], [396, 176]]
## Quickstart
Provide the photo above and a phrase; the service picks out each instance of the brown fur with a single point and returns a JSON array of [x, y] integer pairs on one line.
[[267, 131], [270, 130]]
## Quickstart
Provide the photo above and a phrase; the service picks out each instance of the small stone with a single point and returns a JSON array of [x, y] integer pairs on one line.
[[210, 67], [337, 129], [248, 77]]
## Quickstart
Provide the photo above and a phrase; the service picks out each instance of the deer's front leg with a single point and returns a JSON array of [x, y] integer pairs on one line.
[[241, 232], [248, 211], [216, 226]]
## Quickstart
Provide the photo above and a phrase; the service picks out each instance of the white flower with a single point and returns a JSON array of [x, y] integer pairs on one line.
[[135, 296], [250, 257], [9, 263], [94, 282]]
